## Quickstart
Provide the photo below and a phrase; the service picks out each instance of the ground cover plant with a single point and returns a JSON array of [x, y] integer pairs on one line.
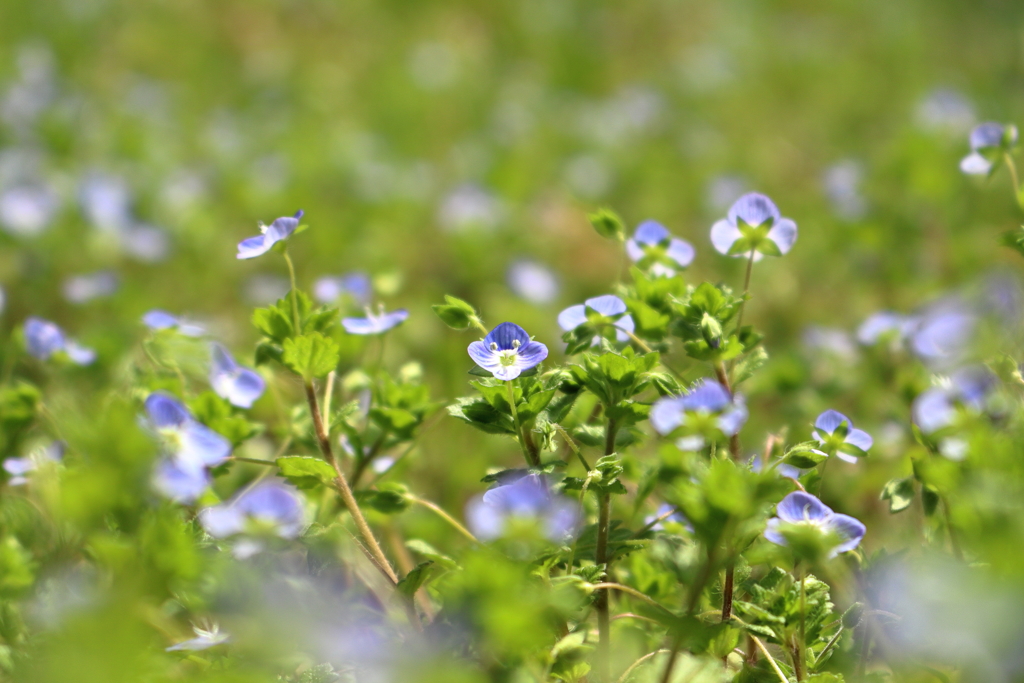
[[511, 342]]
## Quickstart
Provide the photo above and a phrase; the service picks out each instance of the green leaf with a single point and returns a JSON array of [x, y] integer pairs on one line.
[[608, 224], [750, 364], [803, 456], [899, 493], [428, 551], [389, 499], [930, 499], [311, 355], [415, 579], [306, 471], [455, 313]]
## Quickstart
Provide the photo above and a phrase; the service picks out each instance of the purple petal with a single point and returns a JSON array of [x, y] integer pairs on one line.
[[485, 521], [753, 209], [733, 420], [159, 320], [783, 233], [829, 420], [634, 250], [723, 235], [42, 338], [707, 397], [879, 324], [252, 247], [505, 334], [848, 529], [799, 506], [360, 325], [667, 414], [860, 439], [772, 533], [483, 356], [221, 360], [200, 445], [80, 355], [625, 326], [651, 233], [607, 305], [681, 251], [221, 521], [275, 504], [241, 388], [181, 483], [530, 355], [572, 317], [988, 134], [394, 318], [281, 228], [166, 412], [933, 410]]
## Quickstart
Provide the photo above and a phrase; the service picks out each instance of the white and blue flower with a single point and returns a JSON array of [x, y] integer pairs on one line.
[[802, 509], [507, 351], [600, 314], [653, 246], [753, 228], [239, 385], [837, 436], [43, 339], [280, 229], [375, 323]]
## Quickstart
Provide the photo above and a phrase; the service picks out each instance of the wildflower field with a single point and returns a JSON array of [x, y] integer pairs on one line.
[[452, 341]]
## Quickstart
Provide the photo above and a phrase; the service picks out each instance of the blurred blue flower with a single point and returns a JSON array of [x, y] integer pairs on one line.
[[180, 481], [188, 439], [507, 351], [157, 319], [329, 289], [239, 385], [80, 289], [800, 508], [837, 436], [601, 313], [753, 224], [205, 639], [378, 323], [936, 408], [27, 210], [106, 203], [280, 229], [841, 183], [941, 334], [527, 498], [269, 506], [532, 281], [884, 324], [675, 517], [988, 142], [146, 243], [653, 246], [756, 463], [19, 468], [44, 338], [705, 399]]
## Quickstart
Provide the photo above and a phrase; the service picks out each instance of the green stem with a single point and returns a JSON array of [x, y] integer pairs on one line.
[[771, 660], [362, 461], [1013, 177], [531, 458], [604, 503], [798, 657], [821, 475], [443, 514], [295, 301], [953, 542], [746, 290], [696, 589], [573, 446]]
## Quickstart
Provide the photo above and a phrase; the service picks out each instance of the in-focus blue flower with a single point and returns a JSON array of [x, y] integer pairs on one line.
[[753, 225], [329, 288], [988, 142], [378, 323], [837, 436], [653, 246], [532, 281], [528, 498], [507, 351], [44, 338], [239, 385], [601, 314], [280, 229], [191, 446], [19, 468], [269, 507], [706, 405], [803, 509], [204, 640], [162, 320]]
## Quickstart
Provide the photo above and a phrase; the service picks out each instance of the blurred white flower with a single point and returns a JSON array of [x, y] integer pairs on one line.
[[532, 281], [27, 210], [469, 207], [80, 289]]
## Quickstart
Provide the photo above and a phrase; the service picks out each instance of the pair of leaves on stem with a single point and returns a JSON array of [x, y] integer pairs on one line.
[[306, 350]]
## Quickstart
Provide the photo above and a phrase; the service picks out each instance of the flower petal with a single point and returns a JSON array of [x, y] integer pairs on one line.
[[166, 412], [847, 528], [572, 317], [200, 445], [988, 134], [634, 250], [80, 355], [667, 414], [753, 209], [879, 324], [181, 483], [42, 338], [221, 521], [975, 164], [361, 325], [772, 533], [723, 235], [159, 320], [783, 233], [829, 420], [933, 410], [681, 251], [252, 247], [608, 305], [860, 439], [650, 233], [483, 356], [707, 397], [799, 506], [530, 355], [281, 228], [504, 334]]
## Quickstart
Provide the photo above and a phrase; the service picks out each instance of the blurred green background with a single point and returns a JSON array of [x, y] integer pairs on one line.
[[433, 144]]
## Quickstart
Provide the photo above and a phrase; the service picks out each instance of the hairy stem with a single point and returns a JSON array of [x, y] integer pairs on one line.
[[746, 290], [532, 459], [604, 504], [443, 514], [798, 656], [373, 547]]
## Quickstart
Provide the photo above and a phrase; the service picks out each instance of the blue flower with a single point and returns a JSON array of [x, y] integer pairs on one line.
[[507, 351], [192, 447], [378, 323], [707, 406], [268, 506], [600, 314], [80, 289], [329, 288], [239, 385], [836, 435], [280, 229], [782, 469], [19, 468], [204, 640], [935, 409], [44, 338], [162, 320], [884, 324], [988, 142], [532, 281], [652, 245], [941, 335], [676, 518], [803, 509], [528, 498], [27, 210], [753, 226]]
